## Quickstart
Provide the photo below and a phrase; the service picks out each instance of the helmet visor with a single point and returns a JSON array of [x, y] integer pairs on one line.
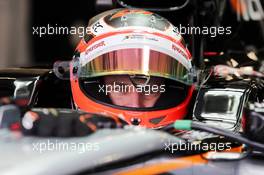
[[136, 61]]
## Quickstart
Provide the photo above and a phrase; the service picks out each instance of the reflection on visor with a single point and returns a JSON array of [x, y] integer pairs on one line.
[[136, 61]]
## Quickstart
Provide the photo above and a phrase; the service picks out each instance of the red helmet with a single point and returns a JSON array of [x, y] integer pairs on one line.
[[133, 49]]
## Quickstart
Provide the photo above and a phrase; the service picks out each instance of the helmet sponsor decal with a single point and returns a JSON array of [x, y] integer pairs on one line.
[[130, 11], [136, 40], [95, 46]]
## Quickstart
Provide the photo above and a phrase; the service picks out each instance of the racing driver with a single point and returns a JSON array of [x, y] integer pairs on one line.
[[133, 64]]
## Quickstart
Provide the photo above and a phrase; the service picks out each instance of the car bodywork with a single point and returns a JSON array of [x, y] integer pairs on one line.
[[126, 151], [132, 150]]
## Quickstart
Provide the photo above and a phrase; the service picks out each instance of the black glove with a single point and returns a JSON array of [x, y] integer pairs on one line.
[[65, 123]]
